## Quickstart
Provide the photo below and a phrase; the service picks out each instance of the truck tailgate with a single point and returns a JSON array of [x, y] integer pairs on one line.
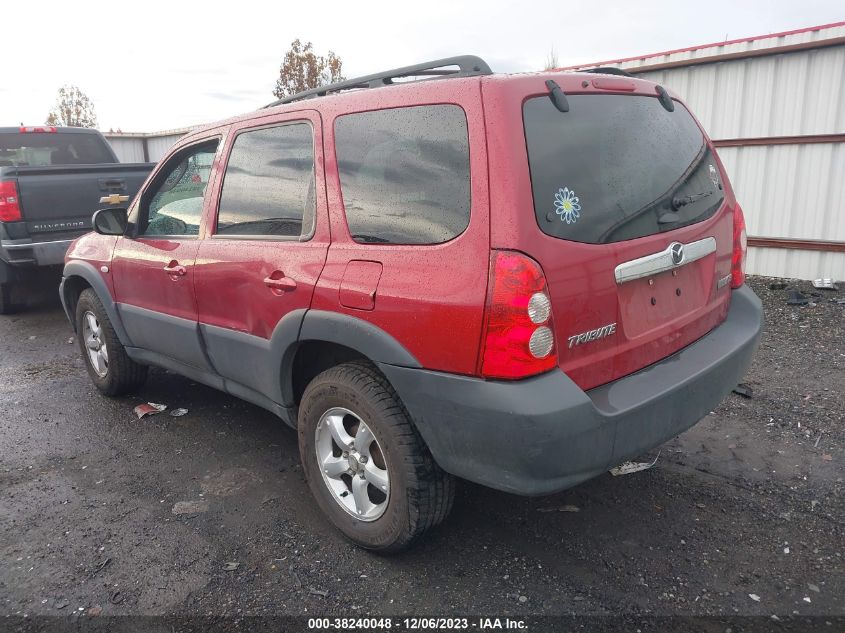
[[62, 198]]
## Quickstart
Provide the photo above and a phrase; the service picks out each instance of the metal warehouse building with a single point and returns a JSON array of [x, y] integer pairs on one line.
[[143, 148], [774, 106]]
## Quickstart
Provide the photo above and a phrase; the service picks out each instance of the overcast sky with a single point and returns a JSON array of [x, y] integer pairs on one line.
[[150, 65]]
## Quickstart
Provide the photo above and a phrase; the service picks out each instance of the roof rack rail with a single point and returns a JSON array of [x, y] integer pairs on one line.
[[608, 70], [468, 66]]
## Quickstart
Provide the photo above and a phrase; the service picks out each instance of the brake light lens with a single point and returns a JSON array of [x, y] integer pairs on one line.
[[10, 205], [740, 249], [519, 335], [39, 129]]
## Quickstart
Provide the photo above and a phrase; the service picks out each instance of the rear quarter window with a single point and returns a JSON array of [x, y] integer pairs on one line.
[[404, 174], [617, 167]]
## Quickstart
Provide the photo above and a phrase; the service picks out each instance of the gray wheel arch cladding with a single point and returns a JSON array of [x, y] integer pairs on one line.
[[89, 274], [362, 336], [357, 334], [269, 365]]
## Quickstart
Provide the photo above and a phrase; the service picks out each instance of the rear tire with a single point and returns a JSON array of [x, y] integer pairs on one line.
[[420, 492], [111, 370], [7, 299]]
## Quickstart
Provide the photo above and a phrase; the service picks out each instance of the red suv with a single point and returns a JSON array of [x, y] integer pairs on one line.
[[519, 280]]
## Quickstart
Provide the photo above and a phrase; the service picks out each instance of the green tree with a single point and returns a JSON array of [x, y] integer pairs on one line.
[[73, 109], [303, 69]]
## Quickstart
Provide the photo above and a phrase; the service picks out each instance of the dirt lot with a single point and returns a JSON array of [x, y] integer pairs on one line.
[[742, 515]]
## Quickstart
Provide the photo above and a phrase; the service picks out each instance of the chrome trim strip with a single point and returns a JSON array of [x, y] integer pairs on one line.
[[15, 246], [663, 261]]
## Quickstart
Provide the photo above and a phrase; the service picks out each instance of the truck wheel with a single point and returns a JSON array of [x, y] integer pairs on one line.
[[111, 370], [7, 304], [365, 462]]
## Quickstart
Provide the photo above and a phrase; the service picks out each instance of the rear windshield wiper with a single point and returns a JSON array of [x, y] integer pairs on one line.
[[682, 201], [557, 96]]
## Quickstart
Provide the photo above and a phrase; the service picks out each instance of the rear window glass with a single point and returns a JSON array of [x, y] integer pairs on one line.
[[268, 188], [617, 167], [404, 173], [40, 149]]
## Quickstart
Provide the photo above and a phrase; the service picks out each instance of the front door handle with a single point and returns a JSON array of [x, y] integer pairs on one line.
[[279, 283], [174, 268]]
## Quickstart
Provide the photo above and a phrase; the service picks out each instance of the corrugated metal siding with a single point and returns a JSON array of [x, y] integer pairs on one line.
[[128, 149], [794, 264], [787, 191], [782, 95], [159, 145], [791, 191]]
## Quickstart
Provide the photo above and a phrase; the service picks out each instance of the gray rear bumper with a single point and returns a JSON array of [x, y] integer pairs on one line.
[[27, 252], [545, 434]]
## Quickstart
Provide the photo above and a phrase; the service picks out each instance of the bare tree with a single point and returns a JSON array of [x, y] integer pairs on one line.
[[303, 69], [73, 109], [551, 60]]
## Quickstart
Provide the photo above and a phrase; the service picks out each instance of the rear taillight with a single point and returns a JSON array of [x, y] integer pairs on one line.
[[519, 334], [740, 249], [10, 204]]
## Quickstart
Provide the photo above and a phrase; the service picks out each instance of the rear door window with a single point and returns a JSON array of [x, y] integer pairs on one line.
[[268, 188], [617, 167], [404, 174]]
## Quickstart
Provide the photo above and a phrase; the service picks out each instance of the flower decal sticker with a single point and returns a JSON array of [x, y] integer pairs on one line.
[[567, 205], [714, 177]]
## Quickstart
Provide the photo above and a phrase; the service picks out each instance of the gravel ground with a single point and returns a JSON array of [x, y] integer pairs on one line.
[[798, 377], [208, 514]]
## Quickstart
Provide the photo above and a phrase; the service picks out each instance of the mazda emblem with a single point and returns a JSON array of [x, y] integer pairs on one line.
[[677, 253]]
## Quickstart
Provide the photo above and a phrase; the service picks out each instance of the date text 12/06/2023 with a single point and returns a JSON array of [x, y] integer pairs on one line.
[[416, 624]]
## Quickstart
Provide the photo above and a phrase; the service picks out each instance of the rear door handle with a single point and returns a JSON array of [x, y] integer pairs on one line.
[[174, 268], [283, 284]]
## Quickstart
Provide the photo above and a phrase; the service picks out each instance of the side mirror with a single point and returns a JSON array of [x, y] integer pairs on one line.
[[111, 221]]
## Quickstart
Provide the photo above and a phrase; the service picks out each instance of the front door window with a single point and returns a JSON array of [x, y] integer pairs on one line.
[[173, 206]]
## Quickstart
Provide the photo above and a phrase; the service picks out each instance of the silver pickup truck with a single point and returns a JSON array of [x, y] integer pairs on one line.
[[52, 179]]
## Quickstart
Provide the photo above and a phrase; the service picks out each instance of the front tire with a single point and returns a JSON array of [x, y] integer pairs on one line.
[[366, 463], [111, 370]]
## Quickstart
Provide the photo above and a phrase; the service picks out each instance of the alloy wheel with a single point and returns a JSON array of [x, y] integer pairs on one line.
[[95, 345], [352, 464]]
